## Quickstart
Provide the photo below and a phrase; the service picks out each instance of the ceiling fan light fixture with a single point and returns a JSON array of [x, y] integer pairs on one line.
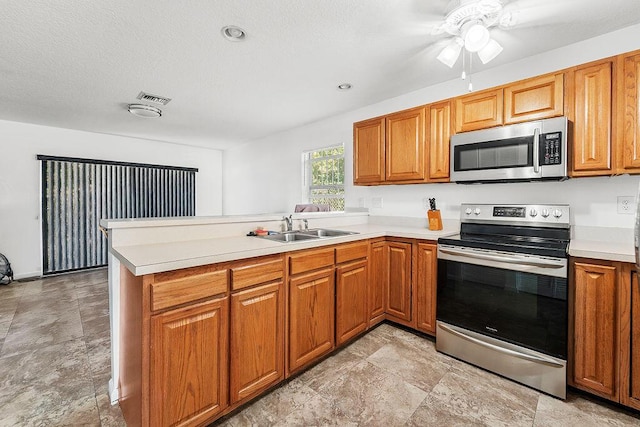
[[490, 51], [450, 54], [145, 111], [476, 36]]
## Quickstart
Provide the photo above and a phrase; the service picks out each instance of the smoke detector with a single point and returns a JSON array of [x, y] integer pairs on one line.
[[145, 111]]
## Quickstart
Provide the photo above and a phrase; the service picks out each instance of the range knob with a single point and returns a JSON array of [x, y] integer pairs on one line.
[[468, 211], [476, 211], [533, 213], [545, 213], [557, 213]]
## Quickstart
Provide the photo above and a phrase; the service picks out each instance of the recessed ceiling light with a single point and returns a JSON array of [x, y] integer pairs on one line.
[[344, 86], [233, 33], [146, 111]]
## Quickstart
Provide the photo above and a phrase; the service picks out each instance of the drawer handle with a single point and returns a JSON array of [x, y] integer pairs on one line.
[[518, 354]]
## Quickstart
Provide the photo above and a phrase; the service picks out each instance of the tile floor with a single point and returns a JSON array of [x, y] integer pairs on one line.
[[54, 370]]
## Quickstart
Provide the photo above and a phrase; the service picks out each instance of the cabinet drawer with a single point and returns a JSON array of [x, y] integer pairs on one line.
[[311, 260], [256, 272], [182, 287], [352, 251]]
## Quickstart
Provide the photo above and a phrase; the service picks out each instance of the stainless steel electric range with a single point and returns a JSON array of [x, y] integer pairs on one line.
[[502, 292]]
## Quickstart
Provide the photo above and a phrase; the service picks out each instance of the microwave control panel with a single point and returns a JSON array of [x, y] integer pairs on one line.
[[550, 148]]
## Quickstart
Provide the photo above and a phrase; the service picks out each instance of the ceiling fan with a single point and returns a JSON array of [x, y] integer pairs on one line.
[[469, 22]]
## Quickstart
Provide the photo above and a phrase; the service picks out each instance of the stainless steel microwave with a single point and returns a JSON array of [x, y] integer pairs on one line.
[[535, 150]]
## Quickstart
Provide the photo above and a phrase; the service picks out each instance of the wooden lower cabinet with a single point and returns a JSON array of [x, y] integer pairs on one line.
[[425, 287], [630, 339], [311, 317], [256, 340], [378, 278], [594, 329], [398, 292], [352, 316], [189, 364]]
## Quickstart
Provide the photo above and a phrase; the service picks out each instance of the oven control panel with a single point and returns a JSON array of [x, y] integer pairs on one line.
[[541, 214]]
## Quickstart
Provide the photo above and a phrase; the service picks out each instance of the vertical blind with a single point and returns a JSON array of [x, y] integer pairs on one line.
[[78, 193]]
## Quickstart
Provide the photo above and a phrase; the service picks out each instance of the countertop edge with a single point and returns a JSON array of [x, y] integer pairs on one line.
[[270, 248]]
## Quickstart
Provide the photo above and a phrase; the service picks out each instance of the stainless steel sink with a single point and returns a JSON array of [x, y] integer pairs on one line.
[[323, 232], [317, 233], [291, 236]]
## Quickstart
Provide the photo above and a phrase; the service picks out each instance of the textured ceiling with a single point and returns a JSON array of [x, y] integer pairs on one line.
[[77, 64]]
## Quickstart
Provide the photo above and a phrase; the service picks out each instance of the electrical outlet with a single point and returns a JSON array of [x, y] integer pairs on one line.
[[626, 204], [376, 202]]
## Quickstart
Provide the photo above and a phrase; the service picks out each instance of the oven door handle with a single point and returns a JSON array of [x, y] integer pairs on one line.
[[546, 263], [529, 357]]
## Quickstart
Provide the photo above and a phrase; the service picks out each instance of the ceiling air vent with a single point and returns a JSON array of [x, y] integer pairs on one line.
[[153, 98]]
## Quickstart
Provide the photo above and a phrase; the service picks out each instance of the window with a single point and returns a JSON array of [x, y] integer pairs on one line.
[[324, 177]]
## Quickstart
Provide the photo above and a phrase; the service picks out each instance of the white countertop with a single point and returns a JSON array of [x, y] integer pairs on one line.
[[597, 249], [158, 257]]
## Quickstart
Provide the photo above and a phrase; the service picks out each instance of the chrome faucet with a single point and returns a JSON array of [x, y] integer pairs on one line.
[[289, 223], [306, 224]]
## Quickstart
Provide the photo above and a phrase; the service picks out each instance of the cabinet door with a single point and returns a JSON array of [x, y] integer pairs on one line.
[[368, 151], [351, 300], [257, 340], [398, 298], [630, 339], [479, 111], [439, 125], [595, 346], [311, 317], [534, 99], [377, 282], [404, 149], [425, 287], [630, 152], [189, 363], [592, 117]]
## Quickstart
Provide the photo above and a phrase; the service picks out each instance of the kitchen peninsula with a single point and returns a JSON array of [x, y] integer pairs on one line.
[[178, 286]]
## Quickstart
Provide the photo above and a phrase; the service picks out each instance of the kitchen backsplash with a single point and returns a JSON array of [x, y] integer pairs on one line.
[[593, 201]]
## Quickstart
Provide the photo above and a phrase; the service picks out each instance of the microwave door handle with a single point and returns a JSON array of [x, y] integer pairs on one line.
[[505, 258], [536, 151]]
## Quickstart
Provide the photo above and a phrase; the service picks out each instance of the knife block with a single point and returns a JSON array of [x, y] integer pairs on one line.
[[435, 220]]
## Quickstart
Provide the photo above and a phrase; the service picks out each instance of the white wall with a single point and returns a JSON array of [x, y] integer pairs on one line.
[[266, 175], [20, 178]]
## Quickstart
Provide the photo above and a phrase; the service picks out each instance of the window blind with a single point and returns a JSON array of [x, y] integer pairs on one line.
[[78, 193]]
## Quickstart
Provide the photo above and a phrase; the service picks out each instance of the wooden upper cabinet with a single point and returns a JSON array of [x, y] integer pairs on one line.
[[438, 134], [595, 355], [533, 99], [630, 93], [591, 113], [368, 151], [404, 145], [479, 110]]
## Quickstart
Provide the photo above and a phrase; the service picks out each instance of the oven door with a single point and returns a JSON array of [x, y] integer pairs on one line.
[[518, 298]]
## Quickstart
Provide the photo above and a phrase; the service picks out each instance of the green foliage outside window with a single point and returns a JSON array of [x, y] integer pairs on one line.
[[326, 180]]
